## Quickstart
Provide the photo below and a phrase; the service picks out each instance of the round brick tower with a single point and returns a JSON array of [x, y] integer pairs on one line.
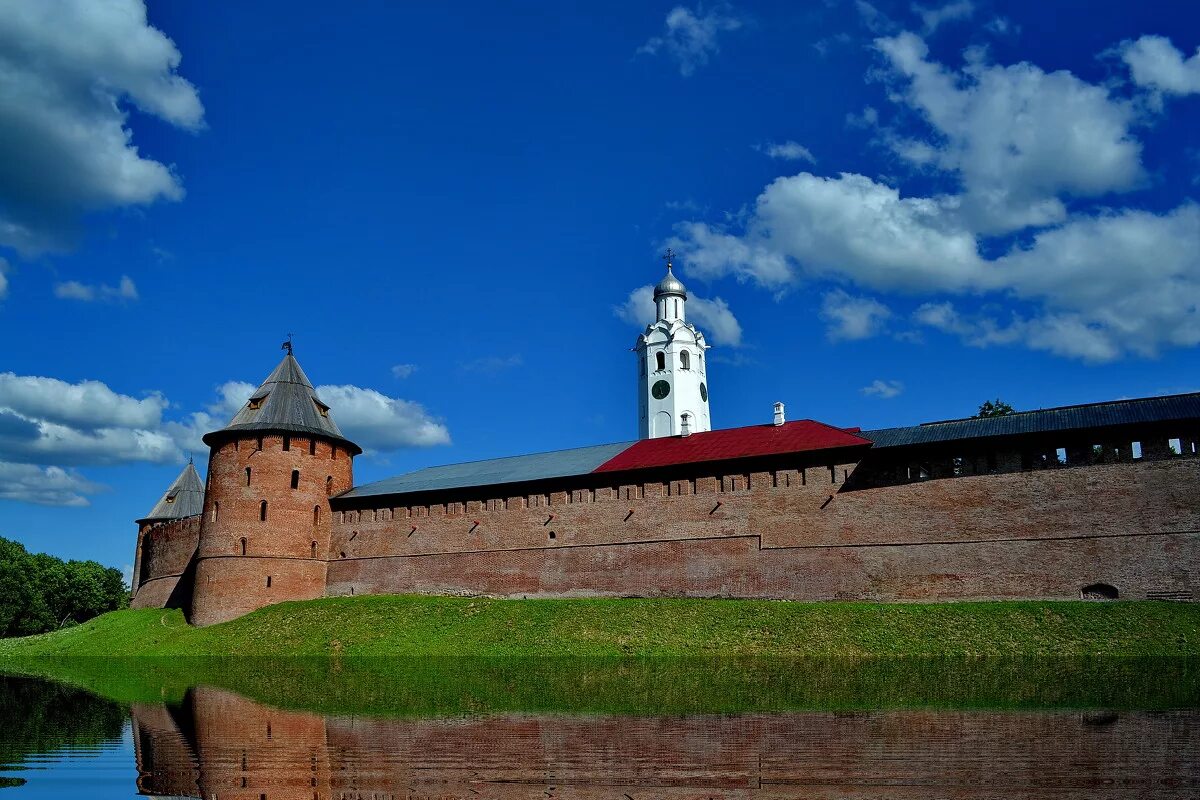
[[264, 534]]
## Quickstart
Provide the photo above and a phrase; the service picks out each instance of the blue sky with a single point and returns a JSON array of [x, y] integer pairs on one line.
[[886, 213]]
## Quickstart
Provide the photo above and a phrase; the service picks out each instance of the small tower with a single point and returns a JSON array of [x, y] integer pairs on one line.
[[264, 537], [163, 551], [671, 370]]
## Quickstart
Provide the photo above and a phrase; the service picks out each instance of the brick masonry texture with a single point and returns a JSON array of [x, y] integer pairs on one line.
[[250, 556], [1042, 534], [164, 552], [222, 745], [756, 530]]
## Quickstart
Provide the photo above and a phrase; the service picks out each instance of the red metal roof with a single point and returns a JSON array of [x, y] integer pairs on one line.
[[755, 440]]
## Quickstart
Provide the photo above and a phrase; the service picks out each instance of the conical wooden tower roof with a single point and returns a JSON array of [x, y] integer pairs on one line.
[[286, 402], [184, 498]]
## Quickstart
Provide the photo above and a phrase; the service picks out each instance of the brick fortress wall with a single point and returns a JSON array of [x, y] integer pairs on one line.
[[795, 530], [802, 533]]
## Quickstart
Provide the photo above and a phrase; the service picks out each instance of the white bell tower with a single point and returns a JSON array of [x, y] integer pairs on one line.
[[671, 367]]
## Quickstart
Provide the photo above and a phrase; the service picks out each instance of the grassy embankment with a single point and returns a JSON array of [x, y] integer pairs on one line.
[[433, 656], [419, 626]]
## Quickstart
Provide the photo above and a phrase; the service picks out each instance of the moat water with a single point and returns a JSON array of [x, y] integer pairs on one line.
[[626, 730]]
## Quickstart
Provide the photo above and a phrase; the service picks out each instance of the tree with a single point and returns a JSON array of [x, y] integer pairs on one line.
[[994, 408], [40, 593]]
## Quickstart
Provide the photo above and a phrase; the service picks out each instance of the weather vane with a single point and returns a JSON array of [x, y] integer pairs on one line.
[[287, 345]]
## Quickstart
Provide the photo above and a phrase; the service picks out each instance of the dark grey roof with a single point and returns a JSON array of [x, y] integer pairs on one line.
[[513, 469], [1067, 418], [184, 498], [285, 402]]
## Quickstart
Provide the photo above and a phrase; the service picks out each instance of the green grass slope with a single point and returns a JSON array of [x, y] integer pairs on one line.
[[422, 626]]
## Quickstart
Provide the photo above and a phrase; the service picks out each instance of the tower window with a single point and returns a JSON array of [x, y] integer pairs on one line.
[[255, 403], [685, 360], [243, 542], [247, 476], [660, 359], [295, 479], [287, 443], [216, 509], [312, 447], [262, 511], [328, 485], [259, 443], [333, 453], [268, 581], [314, 549], [316, 516]]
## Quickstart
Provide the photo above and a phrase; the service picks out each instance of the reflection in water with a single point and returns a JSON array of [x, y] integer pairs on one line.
[[219, 745], [476, 736], [39, 719]]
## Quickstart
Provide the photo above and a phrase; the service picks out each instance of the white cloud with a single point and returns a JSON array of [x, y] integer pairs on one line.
[[3, 278], [789, 151], [716, 320], [87, 405], [875, 20], [638, 308], [1094, 285], [188, 433], [1015, 136], [231, 396], [934, 17], [47, 486], [66, 70], [47, 424], [367, 417], [125, 290], [848, 226], [691, 36], [378, 422], [713, 317], [1155, 64], [492, 365], [62, 444], [850, 317], [885, 390], [1113, 282], [403, 371]]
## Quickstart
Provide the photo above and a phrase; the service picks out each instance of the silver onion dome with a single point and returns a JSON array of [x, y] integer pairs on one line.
[[670, 285]]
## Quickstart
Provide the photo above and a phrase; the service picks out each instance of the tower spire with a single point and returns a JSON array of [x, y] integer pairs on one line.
[[673, 395]]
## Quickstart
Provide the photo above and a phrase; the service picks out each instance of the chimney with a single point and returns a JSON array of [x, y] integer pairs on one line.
[[779, 414], [685, 428]]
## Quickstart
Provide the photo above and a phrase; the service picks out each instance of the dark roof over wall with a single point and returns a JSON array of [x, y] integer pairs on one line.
[[514, 469], [286, 402], [184, 498], [1147, 410], [710, 446]]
